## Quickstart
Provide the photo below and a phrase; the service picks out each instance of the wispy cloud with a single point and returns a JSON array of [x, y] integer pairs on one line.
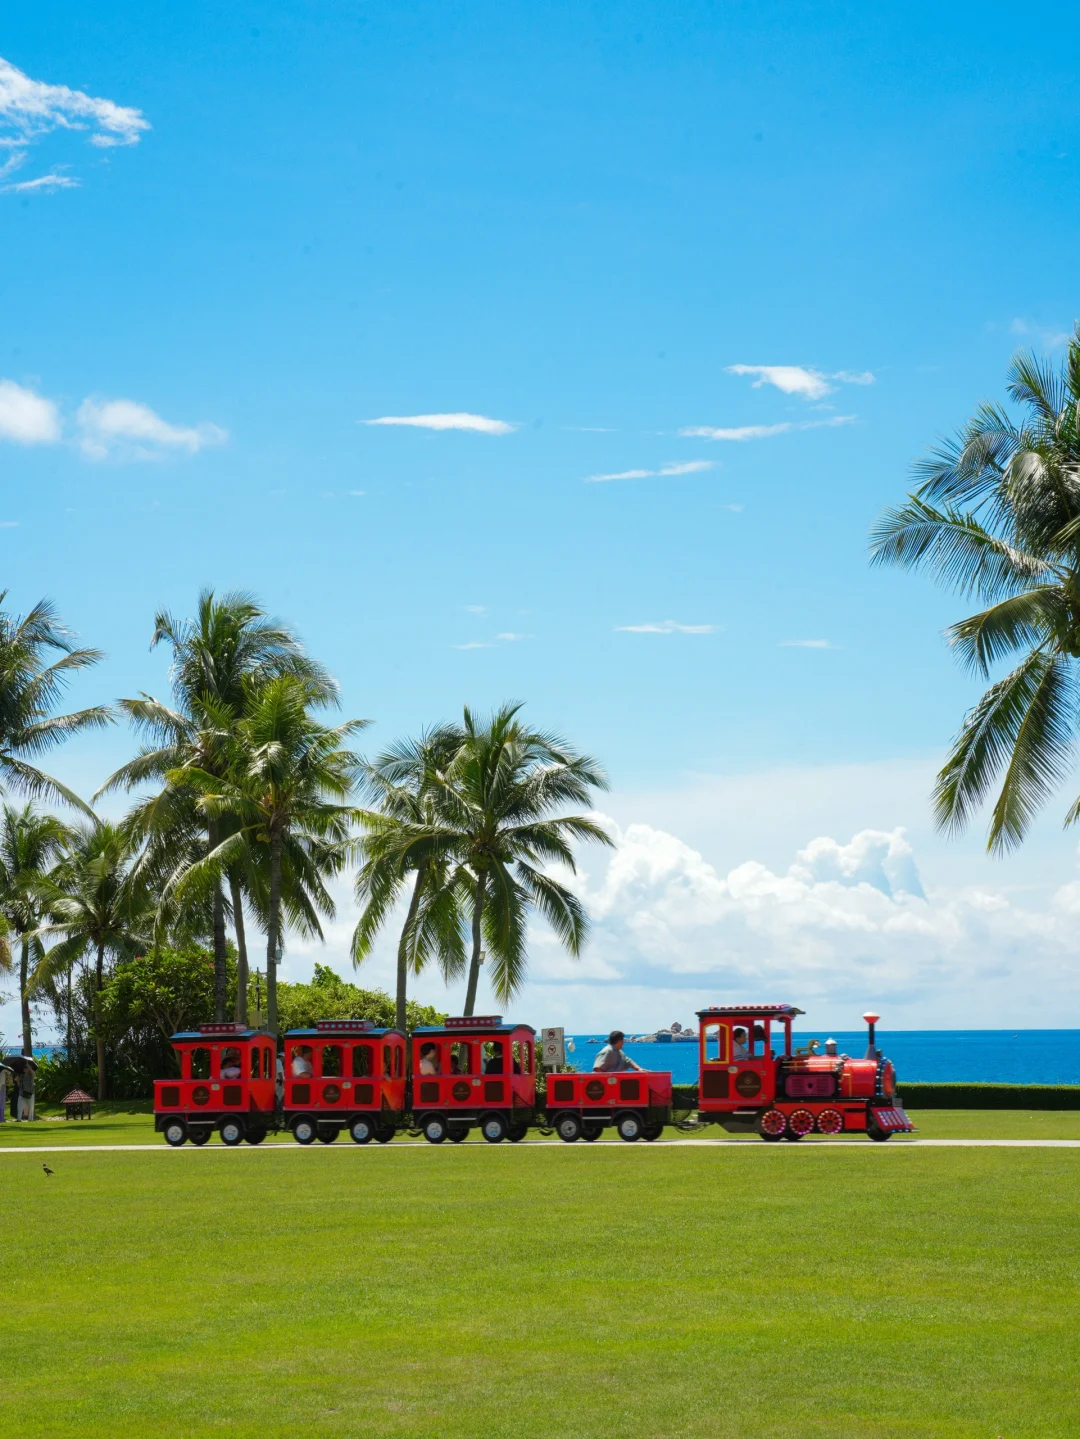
[[735, 509], [481, 424], [799, 380], [1051, 339], [475, 645], [26, 417], [683, 467], [807, 645], [31, 109], [10, 524], [476, 609], [125, 429], [589, 429], [508, 637], [666, 627], [762, 432]]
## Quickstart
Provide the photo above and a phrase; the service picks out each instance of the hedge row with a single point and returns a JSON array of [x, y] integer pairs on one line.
[[954, 1096]]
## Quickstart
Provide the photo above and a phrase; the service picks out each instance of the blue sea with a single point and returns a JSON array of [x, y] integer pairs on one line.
[[994, 1056]]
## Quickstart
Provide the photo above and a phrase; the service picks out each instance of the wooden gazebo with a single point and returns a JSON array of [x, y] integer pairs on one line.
[[77, 1105]]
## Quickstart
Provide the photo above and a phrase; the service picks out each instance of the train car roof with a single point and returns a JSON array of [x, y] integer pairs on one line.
[[490, 1025], [218, 1035], [344, 1030], [752, 1011]]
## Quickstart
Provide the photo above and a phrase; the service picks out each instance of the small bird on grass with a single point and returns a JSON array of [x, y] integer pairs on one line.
[[47, 1169]]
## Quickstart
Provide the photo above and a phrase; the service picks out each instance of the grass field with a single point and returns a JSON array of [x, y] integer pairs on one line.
[[480, 1291]]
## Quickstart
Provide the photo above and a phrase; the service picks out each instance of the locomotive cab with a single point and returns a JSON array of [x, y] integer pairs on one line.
[[344, 1074], [473, 1072], [226, 1082]]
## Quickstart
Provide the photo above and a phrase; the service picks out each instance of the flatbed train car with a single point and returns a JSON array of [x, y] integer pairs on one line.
[[481, 1073]]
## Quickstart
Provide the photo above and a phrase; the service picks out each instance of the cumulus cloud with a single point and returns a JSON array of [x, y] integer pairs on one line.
[[665, 627], [461, 421], [31, 109], [128, 429], [799, 380], [26, 417], [762, 432], [673, 467]]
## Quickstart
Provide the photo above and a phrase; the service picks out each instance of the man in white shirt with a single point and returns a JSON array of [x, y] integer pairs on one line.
[[301, 1064], [611, 1058]]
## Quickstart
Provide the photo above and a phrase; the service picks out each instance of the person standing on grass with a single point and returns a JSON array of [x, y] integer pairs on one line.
[[611, 1058], [26, 1091], [6, 1078]]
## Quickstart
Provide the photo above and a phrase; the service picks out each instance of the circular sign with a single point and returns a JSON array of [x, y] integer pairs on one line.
[[594, 1089], [460, 1091], [331, 1093], [200, 1094], [748, 1084]]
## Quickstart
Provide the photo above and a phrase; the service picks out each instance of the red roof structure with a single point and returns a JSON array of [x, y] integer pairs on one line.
[[77, 1096]]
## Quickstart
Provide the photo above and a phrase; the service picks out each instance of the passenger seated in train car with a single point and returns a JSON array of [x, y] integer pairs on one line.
[[740, 1043], [429, 1058], [230, 1064], [611, 1058], [302, 1067], [492, 1051]]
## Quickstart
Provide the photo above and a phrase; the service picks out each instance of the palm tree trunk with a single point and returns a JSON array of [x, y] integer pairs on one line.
[[477, 940], [220, 966], [102, 1087], [24, 972], [241, 950], [403, 947], [273, 933]]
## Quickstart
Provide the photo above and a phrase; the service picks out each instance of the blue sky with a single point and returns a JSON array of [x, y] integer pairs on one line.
[[817, 232]]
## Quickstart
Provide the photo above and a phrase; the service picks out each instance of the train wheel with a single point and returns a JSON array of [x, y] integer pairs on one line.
[[652, 1131], [303, 1131], [800, 1123], [435, 1129], [830, 1121], [457, 1133], [494, 1128], [327, 1136], [255, 1136], [200, 1135], [592, 1132], [175, 1132], [385, 1133], [232, 1132], [568, 1127], [630, 1127], [876, 1133], [362, 1130], [517, 1132], [771, 1124]]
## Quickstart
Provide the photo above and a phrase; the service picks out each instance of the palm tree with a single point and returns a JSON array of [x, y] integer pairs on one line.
[[30, 689], [229, 642], [495, 803], [403, 836], [996, 514], [96, 910], [30, 845], [284, 785]]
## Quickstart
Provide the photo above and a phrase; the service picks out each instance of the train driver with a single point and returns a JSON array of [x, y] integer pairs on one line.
[[740, 1043], [611, 1058], [302, 1067], [429, 1059]]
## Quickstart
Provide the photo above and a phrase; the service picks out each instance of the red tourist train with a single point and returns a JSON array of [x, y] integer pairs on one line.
[[479, 1073]]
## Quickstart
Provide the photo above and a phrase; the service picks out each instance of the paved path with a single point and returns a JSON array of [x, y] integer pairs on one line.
[[835, 1144]]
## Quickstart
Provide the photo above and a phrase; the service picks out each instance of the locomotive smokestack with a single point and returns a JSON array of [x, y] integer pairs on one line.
[[871, 1048]]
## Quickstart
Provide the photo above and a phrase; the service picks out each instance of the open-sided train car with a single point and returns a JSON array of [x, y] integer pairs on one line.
[[745, 1086], [344, 1074], [226, 1082], [582, 1106], [474, 1072]]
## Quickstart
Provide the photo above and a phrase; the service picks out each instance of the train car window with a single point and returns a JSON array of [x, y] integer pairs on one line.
[[267, 1061], [300, 1066], [493, 1051], [200, 1064], [387, 1061], [461, 1058], [757, 1042], [361, 1061], [331, 1061], [253, 1061], [521, 1064], [716, 1048], [399, 1060]]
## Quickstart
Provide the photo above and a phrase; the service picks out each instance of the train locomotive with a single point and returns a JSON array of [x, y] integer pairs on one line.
[[443, 1081]]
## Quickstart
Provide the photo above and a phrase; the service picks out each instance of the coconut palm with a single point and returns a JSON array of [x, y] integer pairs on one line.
[[96, 911], [996, 514], [229, 642], [403, 837], [284, 785], [496, 805], [30, 689], [31, 843]]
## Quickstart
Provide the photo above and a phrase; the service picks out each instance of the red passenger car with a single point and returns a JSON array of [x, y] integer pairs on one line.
[[583, 1105], [471, 1072], [746, 1086], [344, 1074], [226, 1083]]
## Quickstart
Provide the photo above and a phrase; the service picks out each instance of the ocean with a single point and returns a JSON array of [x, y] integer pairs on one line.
[[994, 1056]]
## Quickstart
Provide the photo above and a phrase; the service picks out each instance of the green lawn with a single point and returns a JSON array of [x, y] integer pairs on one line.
[[479, 1291]]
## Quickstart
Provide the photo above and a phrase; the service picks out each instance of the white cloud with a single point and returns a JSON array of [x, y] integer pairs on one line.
[[31, 109], [673, 467], [508, 637], [476, 609], [666, 627], [799, 380], [27, 418], [475, 645], [480, 423], [10, 524], [761, 432], [806, 645], [126, 429], [1050, 339], [44, 185]]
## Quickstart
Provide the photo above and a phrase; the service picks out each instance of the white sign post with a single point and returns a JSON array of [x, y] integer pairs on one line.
[[553, 1046]]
